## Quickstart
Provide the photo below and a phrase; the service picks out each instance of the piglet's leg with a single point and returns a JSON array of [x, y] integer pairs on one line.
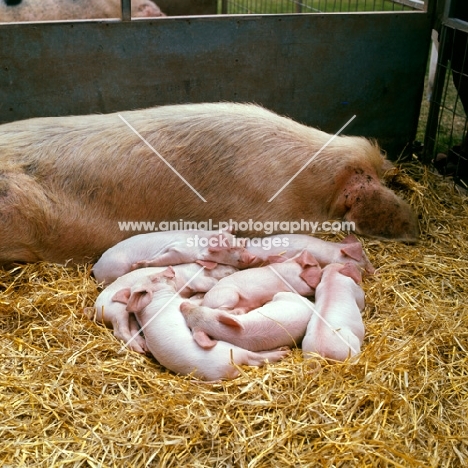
[[251, 358], [126, 329], [124, 325], [174, 256]]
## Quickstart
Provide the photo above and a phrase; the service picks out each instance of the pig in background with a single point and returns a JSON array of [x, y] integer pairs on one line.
[[157, 309], [52, 10], [62, 205]]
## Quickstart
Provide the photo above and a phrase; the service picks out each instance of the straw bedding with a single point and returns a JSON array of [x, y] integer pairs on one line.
[[70, 396]]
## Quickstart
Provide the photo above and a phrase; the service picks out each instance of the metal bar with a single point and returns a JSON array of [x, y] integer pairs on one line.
[[432, 124], [455, 23], [415, 4], [224, 7], [126, 6]]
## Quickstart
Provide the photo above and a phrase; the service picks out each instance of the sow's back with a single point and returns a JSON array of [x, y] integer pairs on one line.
[[66, 182]]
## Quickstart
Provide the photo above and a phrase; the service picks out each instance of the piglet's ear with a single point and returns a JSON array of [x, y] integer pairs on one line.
[[312, 275], [351, 270], [121, 296], [203, 340], [207, 264], [139, 299], [169, 272], [276, 259], [157, 277], [306, 259], [230, 320], [353, 251], [247, 258]]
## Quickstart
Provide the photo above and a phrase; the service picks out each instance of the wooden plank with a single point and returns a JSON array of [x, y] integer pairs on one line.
[[319, 69]]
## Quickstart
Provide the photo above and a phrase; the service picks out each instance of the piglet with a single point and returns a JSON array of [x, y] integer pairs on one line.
[[170, 248], [157, 308], [248, 289], [336, 330], [114, 314], [325, 252], [281, 322]]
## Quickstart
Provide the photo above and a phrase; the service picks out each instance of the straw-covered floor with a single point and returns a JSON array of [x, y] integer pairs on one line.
[[69, 397]]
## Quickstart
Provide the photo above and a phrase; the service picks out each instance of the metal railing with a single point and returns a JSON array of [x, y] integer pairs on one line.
[[317, 6], [446, 137]]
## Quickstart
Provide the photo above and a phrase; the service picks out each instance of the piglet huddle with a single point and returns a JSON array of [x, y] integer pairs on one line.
[[205, 310]]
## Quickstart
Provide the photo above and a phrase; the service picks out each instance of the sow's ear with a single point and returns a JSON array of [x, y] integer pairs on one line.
[[378, 212]]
